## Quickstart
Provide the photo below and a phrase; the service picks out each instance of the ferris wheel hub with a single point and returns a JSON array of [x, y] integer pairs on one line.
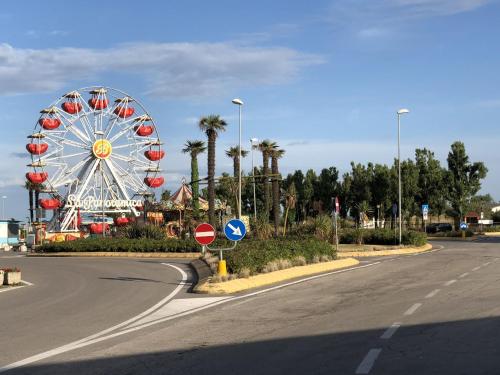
[[102, 149]]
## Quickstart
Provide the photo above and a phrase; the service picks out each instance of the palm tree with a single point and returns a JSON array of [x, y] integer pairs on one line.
[[211, 125], [234, 153], [31, 188], [194, 148], [276, 154], [266, 146]]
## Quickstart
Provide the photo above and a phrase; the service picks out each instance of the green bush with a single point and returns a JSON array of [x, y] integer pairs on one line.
[[122, 245], [380, 236], [152, 232], [255, 254]]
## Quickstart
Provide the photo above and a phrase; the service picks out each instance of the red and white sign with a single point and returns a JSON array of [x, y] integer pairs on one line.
[[204, 234], [337, 205]]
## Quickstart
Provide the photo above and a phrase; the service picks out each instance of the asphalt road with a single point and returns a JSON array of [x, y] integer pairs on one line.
[[72, 298], [434, 313]]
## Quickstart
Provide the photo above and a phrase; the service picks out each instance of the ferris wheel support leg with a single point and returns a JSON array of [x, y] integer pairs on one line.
[[119, 182], [70, 214]]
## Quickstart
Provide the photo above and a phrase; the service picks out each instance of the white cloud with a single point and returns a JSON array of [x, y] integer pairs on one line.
[[170, 69], [379, 18]]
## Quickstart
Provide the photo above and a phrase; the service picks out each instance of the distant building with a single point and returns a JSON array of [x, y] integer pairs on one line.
[[9, 233]]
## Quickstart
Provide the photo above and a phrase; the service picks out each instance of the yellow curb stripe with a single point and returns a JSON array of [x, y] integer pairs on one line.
[[112, 254], [403, 251], [239, 285]]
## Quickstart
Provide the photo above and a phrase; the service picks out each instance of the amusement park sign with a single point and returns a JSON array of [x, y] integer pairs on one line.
[[90, 202]]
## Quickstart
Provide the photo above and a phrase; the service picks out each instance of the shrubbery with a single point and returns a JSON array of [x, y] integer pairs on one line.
[[254, 255], [453, 233], [380, 236], [141, 245]]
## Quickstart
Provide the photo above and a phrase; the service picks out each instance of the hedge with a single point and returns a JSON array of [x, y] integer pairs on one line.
[[142, 245], [453, 233], [255, 254], [381, 236]]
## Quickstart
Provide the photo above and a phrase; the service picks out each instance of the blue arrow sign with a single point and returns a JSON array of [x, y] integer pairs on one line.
[[463, 226], [235, 230]]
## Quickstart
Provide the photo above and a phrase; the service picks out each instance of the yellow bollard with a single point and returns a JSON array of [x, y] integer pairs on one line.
[[221, 269]]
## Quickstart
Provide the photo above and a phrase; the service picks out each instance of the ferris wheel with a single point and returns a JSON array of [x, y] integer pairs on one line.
[[95, 150]]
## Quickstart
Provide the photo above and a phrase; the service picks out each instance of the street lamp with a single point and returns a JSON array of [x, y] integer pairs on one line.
[[254, 142], [239, 103], [402, 111], [101, 167], [4, 197]]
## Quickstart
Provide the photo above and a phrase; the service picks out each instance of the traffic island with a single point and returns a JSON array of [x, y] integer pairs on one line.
[[265, 279], [382, 251]]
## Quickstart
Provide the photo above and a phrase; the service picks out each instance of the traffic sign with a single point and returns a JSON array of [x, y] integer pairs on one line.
[[204, 234], [463, 225], [235, 230], [425, 211], [337, 205]]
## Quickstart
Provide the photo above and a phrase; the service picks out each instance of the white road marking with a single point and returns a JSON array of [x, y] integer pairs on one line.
[[390, 331], [27, 283], [495, 260], [412, 309], [463, 275], [367, 363], [433, 293], [476, 268], [11, 288], [448, 283], [486, 264]]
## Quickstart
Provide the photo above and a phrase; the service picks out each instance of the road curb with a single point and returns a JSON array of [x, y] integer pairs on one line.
[[473, 238], [202, 270], [402, 251], [265, 279], [110, 254]]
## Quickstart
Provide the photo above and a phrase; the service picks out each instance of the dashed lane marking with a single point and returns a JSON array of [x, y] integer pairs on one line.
[[433, 293], [476, 268], [390, 331], [412, 309], [463, 275], [367, 363], [448, 283], [486, 264]]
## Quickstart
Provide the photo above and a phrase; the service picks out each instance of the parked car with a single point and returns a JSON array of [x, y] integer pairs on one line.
[[439, 227]]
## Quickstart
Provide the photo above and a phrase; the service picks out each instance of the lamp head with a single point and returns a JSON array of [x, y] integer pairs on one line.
[[254, 141], [403, 111], [237, 101]]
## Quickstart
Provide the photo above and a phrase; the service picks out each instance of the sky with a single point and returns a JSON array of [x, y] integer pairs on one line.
[[323, 79]]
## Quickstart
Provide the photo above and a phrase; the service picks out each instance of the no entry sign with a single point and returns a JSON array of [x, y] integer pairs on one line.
[[204, 234]]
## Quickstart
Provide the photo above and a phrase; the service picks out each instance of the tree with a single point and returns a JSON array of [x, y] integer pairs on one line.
[[211, 125], [276, 154], [359, 191], [308, 192], [290, 202], [266, 146], [165, 195], [194, 148], [409, 190], [380, 188], [431, 184], [463, 179], [298, 180], [327, 187], [234, 153]]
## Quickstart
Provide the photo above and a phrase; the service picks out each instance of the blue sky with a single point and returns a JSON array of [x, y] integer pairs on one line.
[[323, 79]]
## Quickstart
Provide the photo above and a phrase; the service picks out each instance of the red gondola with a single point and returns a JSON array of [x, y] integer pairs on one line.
[[37, 177], [50, 204], [124, 112], [37, 148], [154, 182], [49, 123], [96, 228], [122, 221], [98, 103], [154, 155], [144, 130], [72, 107]]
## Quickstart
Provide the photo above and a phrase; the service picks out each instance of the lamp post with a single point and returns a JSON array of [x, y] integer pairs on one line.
[[254, 142], [402, 111], [101, 167], [4, 197], [239, 103]]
